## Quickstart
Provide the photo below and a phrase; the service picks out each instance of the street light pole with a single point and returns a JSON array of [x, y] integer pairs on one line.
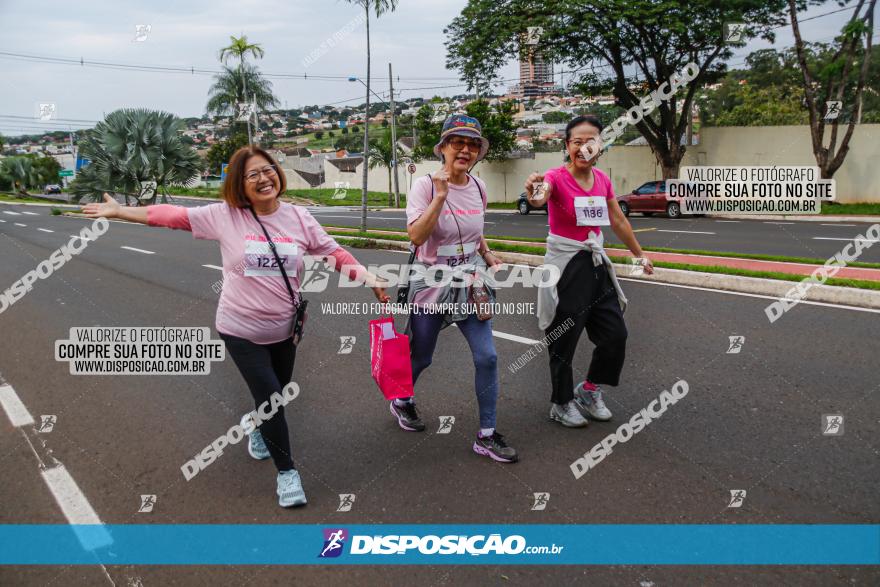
[[394, 140]]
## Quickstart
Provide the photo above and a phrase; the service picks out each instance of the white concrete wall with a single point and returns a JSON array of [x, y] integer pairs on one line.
[[858, 180]]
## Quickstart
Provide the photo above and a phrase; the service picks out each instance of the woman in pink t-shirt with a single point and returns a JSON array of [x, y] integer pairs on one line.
[[587, 296], [262, 240], [445, 216]]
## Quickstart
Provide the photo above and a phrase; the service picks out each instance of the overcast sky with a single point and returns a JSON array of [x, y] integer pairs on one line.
[[188, 33]]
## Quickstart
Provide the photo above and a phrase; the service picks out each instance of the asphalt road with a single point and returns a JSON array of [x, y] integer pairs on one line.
[[793, 238], [750, 421]]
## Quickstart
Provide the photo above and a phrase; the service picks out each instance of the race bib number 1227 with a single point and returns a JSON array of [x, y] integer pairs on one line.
[[259, 260]]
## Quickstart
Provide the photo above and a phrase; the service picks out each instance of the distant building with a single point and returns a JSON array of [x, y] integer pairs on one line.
[[535, 75]]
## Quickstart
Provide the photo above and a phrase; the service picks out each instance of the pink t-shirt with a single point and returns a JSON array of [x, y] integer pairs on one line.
[[444, 245], [254, 303], [561, 210]]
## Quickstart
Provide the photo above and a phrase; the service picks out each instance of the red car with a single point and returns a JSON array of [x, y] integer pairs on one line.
[[650, 198]]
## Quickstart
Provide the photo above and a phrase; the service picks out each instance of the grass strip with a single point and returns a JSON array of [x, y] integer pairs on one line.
[[371, 243]]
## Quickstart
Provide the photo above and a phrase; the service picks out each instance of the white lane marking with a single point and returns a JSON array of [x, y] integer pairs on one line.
[[780, 222], [729, 221], [751, 295], [45, 230], [19, 224], [31, 213], [145, 252], [514, 337], [11, 213], [838, 224], [213, 267], [15, 410], [831, 238], [685, 231], [3, 221], [76, 508]]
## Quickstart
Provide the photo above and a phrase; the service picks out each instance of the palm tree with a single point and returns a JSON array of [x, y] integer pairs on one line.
[[239, 48], [380, 7], [380, 154], [228, 90], [21, 173], [132, 146]]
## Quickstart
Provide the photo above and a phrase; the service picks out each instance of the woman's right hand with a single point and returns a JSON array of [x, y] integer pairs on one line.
[[441, 183], [109, 208], [534, 180]]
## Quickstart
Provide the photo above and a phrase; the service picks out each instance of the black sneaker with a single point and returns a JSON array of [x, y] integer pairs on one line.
[[495, 448], [408, 416]]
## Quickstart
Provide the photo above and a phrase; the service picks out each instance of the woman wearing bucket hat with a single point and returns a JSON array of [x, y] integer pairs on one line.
[[587, 295], [445, 217]]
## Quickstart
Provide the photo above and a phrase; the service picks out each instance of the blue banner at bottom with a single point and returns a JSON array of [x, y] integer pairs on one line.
[[413, 544]]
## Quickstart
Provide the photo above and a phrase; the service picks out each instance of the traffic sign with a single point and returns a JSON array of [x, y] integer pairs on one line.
[[223, 169], [65, 173], [411, 168]]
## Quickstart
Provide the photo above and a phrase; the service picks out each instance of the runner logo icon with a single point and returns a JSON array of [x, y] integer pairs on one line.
[[334, 542]]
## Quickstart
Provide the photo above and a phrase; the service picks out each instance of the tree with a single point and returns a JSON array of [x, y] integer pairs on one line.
[[381, 153], [380, 7], [221, 152], [497, 126], [835, 81], [628, 47], [132, 146], [319, 134], [20, 173], [239, 48], [228, 90], [555, 117], [762, 107], [427, 133], [350, 143]]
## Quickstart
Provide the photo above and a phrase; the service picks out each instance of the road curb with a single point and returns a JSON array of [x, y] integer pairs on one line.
[[811, 218], [829, 294]]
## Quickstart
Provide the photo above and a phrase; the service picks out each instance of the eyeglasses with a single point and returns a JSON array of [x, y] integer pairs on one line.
[[254, 176], [578, 143], [459, 143]]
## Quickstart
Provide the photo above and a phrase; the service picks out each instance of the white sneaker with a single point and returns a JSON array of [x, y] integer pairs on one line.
[[590, 403], [567, 415]]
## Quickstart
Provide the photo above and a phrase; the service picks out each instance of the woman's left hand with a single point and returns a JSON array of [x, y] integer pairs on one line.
[[380, 294], [491, 260]]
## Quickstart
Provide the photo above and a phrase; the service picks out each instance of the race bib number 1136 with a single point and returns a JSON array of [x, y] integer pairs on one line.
[[591, 211]]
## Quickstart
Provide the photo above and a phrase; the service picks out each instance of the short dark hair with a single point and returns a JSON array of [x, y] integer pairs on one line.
[[578, 120], [233, 186]]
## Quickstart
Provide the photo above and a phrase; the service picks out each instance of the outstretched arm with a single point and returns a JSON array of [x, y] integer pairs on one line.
[[110, 208], [159, 215]]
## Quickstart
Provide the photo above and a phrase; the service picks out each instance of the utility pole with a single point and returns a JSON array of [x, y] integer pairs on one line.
[[394, 140], [256, 117]]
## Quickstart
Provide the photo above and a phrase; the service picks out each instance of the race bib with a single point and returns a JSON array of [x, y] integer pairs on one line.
[[260, 262], [454, 255], [591, 211]]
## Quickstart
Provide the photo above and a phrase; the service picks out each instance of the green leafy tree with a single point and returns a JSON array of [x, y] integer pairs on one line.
[[497, 126], [221, 152], [132, 146], [555, 117], [763, 107], [629, 48], [427, 133], [842, 77]]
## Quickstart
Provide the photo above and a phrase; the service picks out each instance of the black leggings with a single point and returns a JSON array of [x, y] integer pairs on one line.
[[266, 369], [588, 298]]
